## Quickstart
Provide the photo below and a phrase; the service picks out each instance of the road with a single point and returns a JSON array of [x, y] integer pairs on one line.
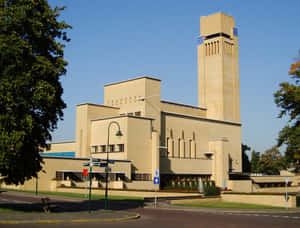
[[179, 217]]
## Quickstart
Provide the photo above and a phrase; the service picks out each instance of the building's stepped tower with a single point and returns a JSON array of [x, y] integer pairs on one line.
[[218, 67]]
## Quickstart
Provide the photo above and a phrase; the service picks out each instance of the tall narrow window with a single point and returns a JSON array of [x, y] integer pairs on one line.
[[120, 147], [190, 149], [111, 148], [178, 153], [103, 148]]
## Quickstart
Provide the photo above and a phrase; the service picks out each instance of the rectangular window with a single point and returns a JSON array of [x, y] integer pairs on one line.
[[120, 147], [111, 148], [137, 113], [130, 114], [103, 148], [142, 177], [94, 149]]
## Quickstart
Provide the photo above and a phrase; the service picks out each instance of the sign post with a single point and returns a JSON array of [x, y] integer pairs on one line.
[[286, 192], [156, 184], [85, 175], [90, 190]]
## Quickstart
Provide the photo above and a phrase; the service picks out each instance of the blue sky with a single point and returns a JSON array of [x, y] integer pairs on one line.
[[117, 40]]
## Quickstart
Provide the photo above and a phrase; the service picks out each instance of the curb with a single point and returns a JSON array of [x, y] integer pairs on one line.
[[68, 221]]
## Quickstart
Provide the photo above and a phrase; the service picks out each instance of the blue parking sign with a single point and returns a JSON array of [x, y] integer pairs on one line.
[[156, 180]]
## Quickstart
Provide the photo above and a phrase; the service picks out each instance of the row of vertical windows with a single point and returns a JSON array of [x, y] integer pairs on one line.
[[185, 149], [111, 148], [141, 176], [124, 100], [212, 48], [131, 113]]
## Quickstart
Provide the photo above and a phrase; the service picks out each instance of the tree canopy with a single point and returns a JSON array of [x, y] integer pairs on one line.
[[255, 156], [271, 162], [287, 99], [246, 167], [31, 63]]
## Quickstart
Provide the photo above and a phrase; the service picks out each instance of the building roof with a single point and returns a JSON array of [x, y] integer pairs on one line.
[[113, 117], [147, 77], [183, 105], [99, 105], [202, 118]]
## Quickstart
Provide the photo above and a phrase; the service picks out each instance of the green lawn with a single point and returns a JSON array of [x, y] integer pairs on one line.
[[5, 210], [80, 195], [228, 205]]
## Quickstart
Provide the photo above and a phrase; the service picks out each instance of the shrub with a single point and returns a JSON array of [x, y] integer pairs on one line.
[[210, 188]]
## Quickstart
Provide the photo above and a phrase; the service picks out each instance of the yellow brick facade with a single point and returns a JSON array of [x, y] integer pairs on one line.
[[180, 140]]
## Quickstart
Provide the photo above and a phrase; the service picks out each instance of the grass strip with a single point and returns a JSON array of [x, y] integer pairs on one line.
[[78, 195], [229, 205]]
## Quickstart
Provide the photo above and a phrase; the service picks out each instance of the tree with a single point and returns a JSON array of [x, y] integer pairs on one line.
[[245, 159], [254, 161], [31, 63], [287, 99], [271, 162]]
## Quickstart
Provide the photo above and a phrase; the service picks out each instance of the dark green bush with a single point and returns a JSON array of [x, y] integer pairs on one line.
[[210, 188]]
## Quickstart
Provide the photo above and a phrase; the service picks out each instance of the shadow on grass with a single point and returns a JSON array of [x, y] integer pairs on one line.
[[34, 204]]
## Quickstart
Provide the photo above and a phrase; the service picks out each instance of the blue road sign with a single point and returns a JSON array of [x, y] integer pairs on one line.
[[156, 173], [111, 161], [102, 164], [156, 180]]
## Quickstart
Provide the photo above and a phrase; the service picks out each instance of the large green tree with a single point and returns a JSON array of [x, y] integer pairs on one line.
[[271, 162], [287, 99], [246, 167], [255, 156], [31, 63]]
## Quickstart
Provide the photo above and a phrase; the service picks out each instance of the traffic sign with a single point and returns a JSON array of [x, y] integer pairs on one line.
[[111, 161], [156, 173], [156, 180], [102, 164], [85, 172]]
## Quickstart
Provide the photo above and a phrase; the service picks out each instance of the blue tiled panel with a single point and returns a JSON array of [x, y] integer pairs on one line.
[[60, 154]]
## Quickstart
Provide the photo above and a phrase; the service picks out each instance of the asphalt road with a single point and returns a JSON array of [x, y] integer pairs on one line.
[[179, 218], [171, 217]]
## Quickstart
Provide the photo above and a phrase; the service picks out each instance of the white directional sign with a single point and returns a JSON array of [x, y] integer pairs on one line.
[[156, 180]]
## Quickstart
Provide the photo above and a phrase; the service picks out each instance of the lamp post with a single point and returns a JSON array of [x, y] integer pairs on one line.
[[119, 133], [36, 185]]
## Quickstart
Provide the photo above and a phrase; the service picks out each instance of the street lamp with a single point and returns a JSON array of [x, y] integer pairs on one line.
[[119, 133]]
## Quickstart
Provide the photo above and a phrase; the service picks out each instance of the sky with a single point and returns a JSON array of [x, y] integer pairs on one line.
[[115, 40]]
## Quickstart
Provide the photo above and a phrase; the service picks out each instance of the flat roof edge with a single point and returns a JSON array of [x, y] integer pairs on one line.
[[114, 117], [203, 118], [183, 105], [82, 159], [99, 105], [61, 142], [128, 80]]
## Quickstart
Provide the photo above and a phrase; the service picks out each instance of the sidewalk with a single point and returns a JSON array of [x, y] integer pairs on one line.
[[168, 206]]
